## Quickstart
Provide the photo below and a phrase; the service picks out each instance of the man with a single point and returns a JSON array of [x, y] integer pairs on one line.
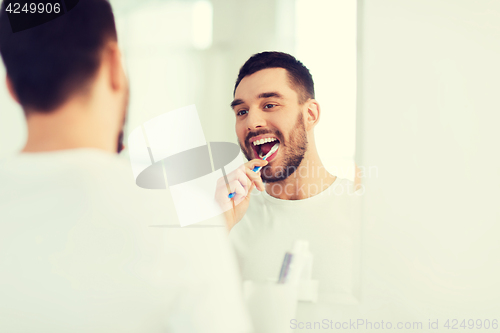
[[77, 250], [274, 104]]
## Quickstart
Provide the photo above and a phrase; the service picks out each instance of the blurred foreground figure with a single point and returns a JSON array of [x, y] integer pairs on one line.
[[78, 248]]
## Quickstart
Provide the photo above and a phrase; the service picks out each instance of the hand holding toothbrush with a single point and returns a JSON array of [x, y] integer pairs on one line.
[[257, 168], [241, 181]]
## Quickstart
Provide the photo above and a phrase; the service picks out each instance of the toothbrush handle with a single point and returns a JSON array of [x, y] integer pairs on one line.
[[257, 169]]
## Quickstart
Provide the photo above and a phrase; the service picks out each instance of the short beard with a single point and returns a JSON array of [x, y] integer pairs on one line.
[[293, 153]]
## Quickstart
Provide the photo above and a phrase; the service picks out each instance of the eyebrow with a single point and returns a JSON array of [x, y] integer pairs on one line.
[[236, 102], [239, 101], [270, 94]]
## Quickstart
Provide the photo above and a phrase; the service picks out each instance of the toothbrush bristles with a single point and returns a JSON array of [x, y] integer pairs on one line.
[[272, 151]]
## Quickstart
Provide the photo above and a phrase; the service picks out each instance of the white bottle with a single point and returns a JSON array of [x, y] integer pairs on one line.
[[300, 273], [301, 264]]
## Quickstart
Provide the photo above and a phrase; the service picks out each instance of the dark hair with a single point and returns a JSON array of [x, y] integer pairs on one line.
[[48, 63], [298, 74]]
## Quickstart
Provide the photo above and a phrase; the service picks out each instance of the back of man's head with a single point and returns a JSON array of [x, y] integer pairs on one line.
[[49, 63]]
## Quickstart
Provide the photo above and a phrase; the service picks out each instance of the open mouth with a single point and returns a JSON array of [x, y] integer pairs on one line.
[[263, 146]]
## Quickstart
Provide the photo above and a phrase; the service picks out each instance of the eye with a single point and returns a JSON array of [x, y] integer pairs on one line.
[[269, 106], [242, 112]]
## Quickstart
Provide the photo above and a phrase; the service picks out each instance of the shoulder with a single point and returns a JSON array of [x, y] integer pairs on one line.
[[344, 193], [88, 180]]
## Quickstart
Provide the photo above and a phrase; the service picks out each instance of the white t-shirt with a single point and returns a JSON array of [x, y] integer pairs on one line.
[[329, 221], [83, 249]]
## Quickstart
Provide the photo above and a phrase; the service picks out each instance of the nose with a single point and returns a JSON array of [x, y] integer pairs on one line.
[[255, 119]]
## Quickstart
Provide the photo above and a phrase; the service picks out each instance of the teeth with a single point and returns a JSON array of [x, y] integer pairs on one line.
[[262, 141]]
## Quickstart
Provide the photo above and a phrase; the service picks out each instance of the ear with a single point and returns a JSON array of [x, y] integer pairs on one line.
[[10, 88], [113, 57], [313, 113]]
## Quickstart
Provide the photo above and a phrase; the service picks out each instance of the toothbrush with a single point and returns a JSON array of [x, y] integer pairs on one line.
[[257, 168]]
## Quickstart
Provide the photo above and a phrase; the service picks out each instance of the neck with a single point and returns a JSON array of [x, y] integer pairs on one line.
[[69, 127], [310, 179]]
